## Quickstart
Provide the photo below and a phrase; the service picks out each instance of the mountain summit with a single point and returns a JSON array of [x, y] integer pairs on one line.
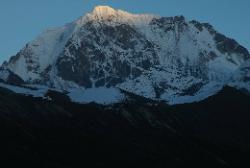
[[105, 12], [108, 14], [108, 53]]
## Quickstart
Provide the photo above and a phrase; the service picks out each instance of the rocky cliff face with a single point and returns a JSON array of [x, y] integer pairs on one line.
[[163, 58]]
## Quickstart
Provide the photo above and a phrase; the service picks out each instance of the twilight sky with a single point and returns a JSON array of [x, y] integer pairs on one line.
[[22, 20]]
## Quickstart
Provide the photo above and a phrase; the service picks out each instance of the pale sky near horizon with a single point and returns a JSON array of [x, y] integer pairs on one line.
[[23, 20]]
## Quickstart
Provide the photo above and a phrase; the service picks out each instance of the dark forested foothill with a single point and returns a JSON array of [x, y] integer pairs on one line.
[[136, 133]]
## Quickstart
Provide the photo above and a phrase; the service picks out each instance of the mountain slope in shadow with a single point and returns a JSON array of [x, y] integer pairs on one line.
[[135, 133]]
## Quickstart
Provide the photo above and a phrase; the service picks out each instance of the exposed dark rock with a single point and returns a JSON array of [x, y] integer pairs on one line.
[[192, 89], [89, 61], [169, 23], [228, 45], [12, 78], [224, 44], [212, 55], [210, 28], [197, 24]]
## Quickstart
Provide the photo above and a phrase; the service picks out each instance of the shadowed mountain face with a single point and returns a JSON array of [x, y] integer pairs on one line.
[[140, 132], [161, 58]]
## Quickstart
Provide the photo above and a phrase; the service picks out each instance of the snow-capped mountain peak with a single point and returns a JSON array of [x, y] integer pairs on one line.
[[162, 58], [104, 12], [115, 16]]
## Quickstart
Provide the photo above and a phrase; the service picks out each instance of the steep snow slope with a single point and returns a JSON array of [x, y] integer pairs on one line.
[[163, 58], [241, 77], [37, 55]]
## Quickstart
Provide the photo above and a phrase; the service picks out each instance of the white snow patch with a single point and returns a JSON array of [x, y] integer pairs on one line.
[[207, 91], [36, 92], [101, 95]]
